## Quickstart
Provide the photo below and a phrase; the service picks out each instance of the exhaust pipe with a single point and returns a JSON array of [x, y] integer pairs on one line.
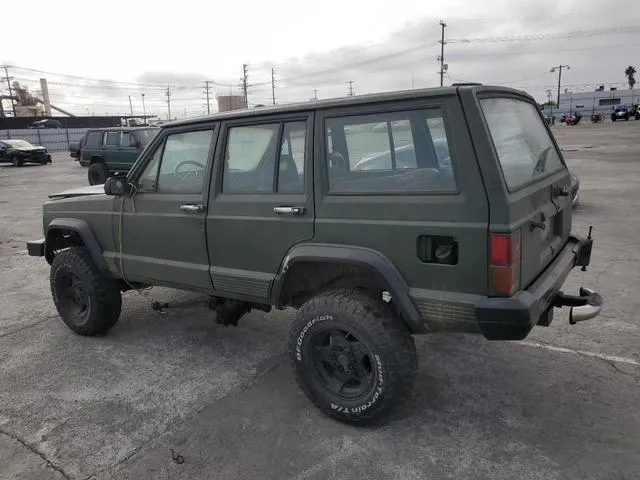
[[587, 311]]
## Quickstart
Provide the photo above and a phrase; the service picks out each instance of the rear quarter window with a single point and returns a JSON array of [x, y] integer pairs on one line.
[[389, 152], [525, 150], [93, 139]]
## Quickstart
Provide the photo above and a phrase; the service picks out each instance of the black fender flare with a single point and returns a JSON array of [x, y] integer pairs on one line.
[[85, 232], [358, 256]]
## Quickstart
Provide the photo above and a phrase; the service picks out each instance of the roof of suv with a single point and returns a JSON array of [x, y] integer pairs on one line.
[[338, 102], [117, 129]]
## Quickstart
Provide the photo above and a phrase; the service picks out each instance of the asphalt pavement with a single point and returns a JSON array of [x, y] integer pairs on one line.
[[175, 396]]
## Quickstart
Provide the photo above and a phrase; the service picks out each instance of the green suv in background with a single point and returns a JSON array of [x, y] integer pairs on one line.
[[112, 150], [377, 217]]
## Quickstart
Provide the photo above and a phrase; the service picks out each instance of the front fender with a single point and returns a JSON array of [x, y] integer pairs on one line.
[[85, 233], [358, 256]]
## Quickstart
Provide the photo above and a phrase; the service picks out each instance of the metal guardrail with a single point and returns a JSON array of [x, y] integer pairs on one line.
[[53, 139]]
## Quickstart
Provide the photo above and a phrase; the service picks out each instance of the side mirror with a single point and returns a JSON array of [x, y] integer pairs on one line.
[[117, 186]]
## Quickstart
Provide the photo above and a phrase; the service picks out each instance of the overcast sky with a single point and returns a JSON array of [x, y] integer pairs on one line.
[[320, 45]]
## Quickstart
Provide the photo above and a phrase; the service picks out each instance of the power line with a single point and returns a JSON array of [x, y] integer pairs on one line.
[[552, 36]]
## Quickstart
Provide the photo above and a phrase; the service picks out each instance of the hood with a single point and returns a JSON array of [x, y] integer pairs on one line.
[[79, 192], [28, 149]]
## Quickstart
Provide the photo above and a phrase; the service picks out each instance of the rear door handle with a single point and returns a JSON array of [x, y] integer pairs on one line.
[[190, 207], [289, 210]]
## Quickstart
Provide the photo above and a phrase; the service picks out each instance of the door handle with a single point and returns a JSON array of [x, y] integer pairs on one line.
[[189, 207], [289, 210]]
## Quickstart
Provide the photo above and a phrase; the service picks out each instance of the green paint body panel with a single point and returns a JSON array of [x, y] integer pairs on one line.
[[237, 246]]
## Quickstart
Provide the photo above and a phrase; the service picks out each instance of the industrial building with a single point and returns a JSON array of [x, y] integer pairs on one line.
[[599, 101], [230, 102]]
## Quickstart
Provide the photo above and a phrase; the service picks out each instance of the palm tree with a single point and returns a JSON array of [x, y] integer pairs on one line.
[[630, 72]]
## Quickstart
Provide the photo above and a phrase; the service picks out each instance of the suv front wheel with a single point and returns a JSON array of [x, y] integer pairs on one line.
[[352, 356], [98, 173], [87, 300]]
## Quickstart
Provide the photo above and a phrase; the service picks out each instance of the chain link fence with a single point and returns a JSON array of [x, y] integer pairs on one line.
[[54, 139]]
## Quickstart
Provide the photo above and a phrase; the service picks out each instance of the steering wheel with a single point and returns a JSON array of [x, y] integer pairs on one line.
[[183, 176], [188, 162]]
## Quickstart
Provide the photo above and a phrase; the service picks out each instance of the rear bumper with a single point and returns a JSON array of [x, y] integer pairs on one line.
[[513, 318]]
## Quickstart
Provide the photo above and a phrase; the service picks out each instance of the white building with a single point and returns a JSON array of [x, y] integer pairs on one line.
[[600, 100]]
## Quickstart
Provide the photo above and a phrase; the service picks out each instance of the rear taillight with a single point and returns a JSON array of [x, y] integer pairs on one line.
[[504, 264]]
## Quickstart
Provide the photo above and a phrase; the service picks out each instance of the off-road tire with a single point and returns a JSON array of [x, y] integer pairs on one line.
[[381, 332], [104, 297], [97, 173]]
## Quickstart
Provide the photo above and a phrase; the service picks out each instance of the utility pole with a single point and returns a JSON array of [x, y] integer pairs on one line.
[[273, 85], [168, 94], [245, 85], [130, 106], [351, 90], [8, 79], [559, 69], [206, 90], [441, 57]]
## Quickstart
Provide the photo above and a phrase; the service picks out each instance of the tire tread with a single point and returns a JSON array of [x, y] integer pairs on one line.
[[105, 295], [392, 337]]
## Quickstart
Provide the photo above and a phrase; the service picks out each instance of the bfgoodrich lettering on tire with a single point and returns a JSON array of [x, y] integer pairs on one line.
[[88, 301], [352, 356]]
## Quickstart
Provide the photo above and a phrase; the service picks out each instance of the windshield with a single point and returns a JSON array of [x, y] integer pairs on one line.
[[18, 143], [523, 145], [146, 135]]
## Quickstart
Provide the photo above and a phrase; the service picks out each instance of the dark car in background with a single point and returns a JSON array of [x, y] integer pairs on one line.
[[620, 112], [19, 152], [108, 151], [46, 123]]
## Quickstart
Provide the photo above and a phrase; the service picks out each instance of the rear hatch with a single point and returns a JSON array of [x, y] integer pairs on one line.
[[536, 179]]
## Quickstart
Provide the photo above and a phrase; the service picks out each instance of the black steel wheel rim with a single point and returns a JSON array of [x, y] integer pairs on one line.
[[73, 297], [342, 363]]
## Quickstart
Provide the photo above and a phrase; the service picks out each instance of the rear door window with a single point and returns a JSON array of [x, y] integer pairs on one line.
[[93, 139], [523, 145]]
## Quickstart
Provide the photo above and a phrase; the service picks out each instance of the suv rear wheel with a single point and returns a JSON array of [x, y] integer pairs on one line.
[[98, 173], [88, 301], [352, 356]]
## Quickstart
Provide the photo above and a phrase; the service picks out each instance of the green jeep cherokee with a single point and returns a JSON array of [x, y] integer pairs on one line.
[[112, 150], [377, 217]]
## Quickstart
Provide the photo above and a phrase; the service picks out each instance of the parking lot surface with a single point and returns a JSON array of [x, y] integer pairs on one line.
[[174, 395]]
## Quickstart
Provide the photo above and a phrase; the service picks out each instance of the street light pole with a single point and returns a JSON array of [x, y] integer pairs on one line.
[[559, 68]]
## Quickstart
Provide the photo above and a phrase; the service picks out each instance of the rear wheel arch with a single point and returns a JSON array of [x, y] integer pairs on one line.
[[63, 233], [309, 269]]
